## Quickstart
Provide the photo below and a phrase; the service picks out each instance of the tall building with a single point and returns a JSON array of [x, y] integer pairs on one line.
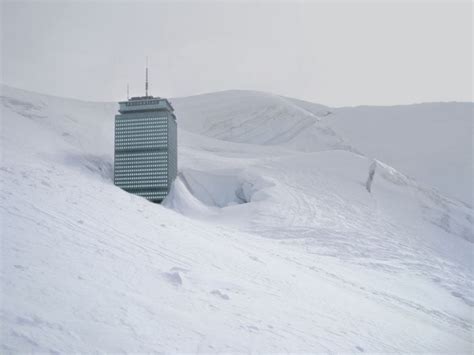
[[145, 160]]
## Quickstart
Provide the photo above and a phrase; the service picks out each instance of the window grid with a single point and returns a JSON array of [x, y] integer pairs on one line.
[[142, 169], [139, 185], [140, 139], [140, 164], [144, 176], [142, 123], [141, 134], [142, 159], [144, 165], [143, 155], [141, 131], [140, 146]]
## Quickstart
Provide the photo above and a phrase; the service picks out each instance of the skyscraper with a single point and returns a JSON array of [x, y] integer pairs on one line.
[[145, 160]]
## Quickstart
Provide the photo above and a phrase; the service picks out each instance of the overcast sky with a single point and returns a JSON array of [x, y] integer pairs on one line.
[[331, 53]]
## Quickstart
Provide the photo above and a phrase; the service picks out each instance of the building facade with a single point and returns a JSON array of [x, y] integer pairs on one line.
[[145, 159]]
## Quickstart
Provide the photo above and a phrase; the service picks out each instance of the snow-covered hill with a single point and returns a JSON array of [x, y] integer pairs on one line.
[[269, 240], [431, 142]]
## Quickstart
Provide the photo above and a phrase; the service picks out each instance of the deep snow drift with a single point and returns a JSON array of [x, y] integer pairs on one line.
[[269, 240], [431, 142]]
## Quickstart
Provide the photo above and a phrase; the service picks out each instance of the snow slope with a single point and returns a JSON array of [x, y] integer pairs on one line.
[[431, 142], [268, 242]]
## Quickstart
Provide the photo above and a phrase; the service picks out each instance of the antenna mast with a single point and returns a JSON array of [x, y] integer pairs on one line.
[[128, 92], [146, 78]]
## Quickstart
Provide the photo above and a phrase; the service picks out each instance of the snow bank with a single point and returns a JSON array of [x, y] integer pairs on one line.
[[431, 142], [274, 248]]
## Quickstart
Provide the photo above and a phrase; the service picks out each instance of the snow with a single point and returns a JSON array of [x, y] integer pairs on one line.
[[269, 240], [431, 142]]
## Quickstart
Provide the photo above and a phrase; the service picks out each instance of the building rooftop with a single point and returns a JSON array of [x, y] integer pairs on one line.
[[142, 98], [145, 103]]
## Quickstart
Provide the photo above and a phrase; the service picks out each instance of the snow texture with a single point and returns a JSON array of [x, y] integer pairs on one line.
[[268, 242]]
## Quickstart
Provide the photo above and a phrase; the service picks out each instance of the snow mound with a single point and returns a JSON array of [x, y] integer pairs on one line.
[[431, 142], [183, 201], [253, 117], [218, 194], [278, 247], [218, 188], [223, 188]]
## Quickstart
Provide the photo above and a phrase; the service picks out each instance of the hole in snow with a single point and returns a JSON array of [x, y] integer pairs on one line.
[[219, 189], [204, 191], [173, 277]]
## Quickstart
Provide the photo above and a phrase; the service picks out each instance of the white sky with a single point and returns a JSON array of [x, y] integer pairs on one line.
[[331, 53]]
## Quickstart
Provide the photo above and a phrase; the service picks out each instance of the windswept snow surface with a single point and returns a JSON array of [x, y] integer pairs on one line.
[[430, 142], [269, 240]]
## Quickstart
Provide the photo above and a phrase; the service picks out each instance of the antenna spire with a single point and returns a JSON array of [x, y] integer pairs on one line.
[[128, 91], [146, 78]]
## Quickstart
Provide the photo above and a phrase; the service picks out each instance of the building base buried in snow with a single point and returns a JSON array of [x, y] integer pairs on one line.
[[145, 159]]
